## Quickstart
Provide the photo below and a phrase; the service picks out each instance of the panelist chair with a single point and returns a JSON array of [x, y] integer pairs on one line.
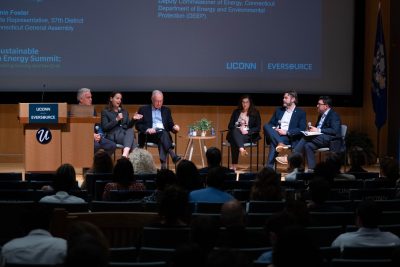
[[253, 143], [148, 144], [322, 150]]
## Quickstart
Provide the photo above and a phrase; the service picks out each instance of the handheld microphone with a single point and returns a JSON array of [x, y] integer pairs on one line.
[[279, 124], [309, 125], [119, 112]]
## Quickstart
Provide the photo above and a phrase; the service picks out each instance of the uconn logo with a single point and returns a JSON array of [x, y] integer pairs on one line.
[[43, 135]]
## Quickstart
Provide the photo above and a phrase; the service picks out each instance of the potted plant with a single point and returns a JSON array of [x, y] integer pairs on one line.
[[204, 125]]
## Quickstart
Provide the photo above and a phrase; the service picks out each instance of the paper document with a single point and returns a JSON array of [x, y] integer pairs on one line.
[[307, 133]]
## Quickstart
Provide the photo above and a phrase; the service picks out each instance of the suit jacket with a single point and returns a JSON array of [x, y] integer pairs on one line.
[[147, 121], [254, 124], [297, 121], [110, 126], [332, 130]]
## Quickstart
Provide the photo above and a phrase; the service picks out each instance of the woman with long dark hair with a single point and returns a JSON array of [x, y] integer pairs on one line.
[[116, 123], [244, 126]]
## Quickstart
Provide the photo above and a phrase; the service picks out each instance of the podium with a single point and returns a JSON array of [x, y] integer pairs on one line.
[[52, 138]]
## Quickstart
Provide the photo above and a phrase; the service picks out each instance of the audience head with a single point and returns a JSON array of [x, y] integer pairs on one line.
[[213, 156], [266, 185], [84, 96], [232, 214], [142, 161], [295, 160], [188, 254], [276, 223], [298, 209], [204, 232], [123, 172], [320, 190], [65, 179], [216, 177], [188, 175], [87, 246], [102, 162], [294, 247], [357, 158], [368, 214], [227, 257], [389, 168], [174, 206], [165, 178]]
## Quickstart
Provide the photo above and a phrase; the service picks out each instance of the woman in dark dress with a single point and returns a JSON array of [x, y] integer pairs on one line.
[[244, 126]]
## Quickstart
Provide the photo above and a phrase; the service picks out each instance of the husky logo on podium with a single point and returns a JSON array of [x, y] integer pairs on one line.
[[43, 135]]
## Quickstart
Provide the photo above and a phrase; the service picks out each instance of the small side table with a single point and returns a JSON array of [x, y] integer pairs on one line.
[[189, 148]]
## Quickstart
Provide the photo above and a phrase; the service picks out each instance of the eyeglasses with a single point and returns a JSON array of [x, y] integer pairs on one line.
[[321, 104]]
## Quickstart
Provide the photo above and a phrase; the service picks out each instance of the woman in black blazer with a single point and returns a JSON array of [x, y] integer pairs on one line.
[[244, 126], [117, 125]]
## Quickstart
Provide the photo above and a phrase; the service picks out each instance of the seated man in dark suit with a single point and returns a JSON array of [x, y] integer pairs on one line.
[[285, 126], [155, 126], [329, 127]]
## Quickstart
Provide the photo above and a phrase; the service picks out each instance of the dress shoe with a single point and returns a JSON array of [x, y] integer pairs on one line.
[[176, 159], [282, 159], [280, 147]]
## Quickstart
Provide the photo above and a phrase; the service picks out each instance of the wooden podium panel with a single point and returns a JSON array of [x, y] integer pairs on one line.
[[77, 141], [42, 157]]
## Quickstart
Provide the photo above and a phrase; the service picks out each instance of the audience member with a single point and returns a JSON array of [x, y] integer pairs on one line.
[[266, 186], [357, 160], [235, 234], [214, 158], [296, 165], [224, 257], [142, 161], [294, 247], [389, 168], [87, 246], [188, 254], [102, 163], [320, 192], [204, 232], [123, 179], [188, 176], [174, 207], [38, 246], [64, 183], [214, 190], [368, 234], [330, 169], [273, 228], [164, 179]]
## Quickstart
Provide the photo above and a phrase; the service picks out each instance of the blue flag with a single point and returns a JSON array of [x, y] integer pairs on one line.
[[379, 76]]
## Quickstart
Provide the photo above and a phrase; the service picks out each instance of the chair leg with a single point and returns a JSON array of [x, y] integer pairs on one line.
[[251, 156], [263, 160], [257, 156]]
